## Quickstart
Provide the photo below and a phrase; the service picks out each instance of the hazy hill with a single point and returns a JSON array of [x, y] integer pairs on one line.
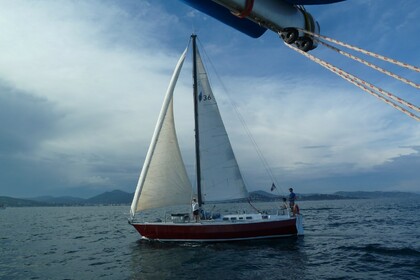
[[118, 197], [17, 202], [107, 198], [265, 196], [62, 200], [318, 196], [112, 197], [376, 194]]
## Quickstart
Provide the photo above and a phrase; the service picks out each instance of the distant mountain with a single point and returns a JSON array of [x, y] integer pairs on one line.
[[17, 202], [376, 194], [118, 197], [115, 197], [318, 196], [265, 196], [112, 197], [62, 200]]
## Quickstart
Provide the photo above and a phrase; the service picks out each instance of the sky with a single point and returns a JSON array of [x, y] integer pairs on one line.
[[82, 82]]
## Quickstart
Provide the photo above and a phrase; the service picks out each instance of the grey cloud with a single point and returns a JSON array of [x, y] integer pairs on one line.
[[398, 174], [25, 121], [317, 147]]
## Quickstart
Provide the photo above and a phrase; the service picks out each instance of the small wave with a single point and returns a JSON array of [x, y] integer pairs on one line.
[[382, 250], [109, 250], [405, 251], [321, 209], [70, 252], [51, 252], [346, 223], [97, 263]]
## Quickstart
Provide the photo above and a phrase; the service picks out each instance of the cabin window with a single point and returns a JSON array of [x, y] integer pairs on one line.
[[225, 219], [233, 219], [249, 218]]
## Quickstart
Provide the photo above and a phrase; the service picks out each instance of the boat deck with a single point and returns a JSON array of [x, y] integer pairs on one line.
[[184, 218]]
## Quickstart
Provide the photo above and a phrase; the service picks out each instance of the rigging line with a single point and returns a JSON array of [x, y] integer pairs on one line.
[[252, 205], [381, 91], [371, 86], [390, 95], [348, 76], [378, 56], [384, 92], [382, 70], [242, 120], [365, 88], [359, 83]]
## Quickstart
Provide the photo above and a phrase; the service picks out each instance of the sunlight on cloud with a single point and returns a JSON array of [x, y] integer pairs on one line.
[[308, 129], [65, 56], [101, 70], [103, 84]]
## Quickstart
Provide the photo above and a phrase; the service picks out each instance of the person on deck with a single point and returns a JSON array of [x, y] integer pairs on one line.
[[195, 210], [296, 210], [292, 198], [284, 206]]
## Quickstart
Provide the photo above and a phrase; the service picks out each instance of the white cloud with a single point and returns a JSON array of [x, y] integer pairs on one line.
[[102, 69], [104, 90], [316, 132]]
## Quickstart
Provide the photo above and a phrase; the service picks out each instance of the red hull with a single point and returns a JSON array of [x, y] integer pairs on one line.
[[216, 231]]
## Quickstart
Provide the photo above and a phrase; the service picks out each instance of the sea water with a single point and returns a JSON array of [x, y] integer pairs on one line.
[[344, 239]]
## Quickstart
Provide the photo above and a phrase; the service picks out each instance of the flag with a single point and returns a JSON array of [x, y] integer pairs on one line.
[[273, 187]]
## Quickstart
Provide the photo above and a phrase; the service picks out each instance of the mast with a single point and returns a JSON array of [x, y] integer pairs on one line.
[[197, 137]]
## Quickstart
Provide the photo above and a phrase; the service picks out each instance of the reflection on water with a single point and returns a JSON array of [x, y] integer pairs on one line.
[[236, 260]]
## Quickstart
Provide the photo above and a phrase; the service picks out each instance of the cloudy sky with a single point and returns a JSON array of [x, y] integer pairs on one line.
[[81, 85]]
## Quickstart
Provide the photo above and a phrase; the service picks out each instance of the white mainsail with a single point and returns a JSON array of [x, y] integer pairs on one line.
[[163, 180], [220, 175]]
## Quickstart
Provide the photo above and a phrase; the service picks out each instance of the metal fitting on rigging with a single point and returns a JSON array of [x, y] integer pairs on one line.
[[302, 40]]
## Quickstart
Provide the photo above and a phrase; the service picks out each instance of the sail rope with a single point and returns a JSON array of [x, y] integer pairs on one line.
[[379, 93], [252, 205], [365, 86], [371, 65], [366, 52], [245, 126]]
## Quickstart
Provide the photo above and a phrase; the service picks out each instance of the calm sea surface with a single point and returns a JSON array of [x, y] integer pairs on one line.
[[350, 239]]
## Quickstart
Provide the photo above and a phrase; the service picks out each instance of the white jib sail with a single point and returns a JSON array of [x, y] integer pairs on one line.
[[163, 179], [220, 175]]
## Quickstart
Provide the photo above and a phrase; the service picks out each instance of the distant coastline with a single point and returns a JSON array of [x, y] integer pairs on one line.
[[118, 197]]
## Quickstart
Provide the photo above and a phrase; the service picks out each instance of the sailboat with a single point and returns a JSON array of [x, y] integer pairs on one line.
[[164, 183]]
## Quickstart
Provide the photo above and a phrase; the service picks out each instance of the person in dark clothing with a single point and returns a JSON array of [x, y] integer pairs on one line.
[[196, 210], [292, 198]]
